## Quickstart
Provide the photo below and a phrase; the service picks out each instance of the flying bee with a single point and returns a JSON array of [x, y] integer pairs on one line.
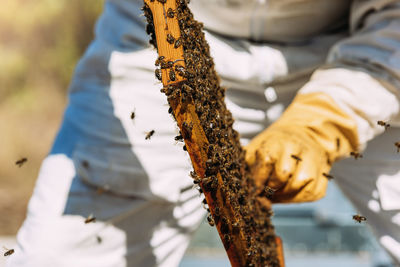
[[133, 114], [170, 13], [297, 158], [337, 144], [85, 164], [210, 220], [170, 39], [397, 144], [90, 219], [359, 218], [149, 134], [99, 239], [356, 155], [158, 74], [21, 162], [8, 252], [327, 175], [384, 124]]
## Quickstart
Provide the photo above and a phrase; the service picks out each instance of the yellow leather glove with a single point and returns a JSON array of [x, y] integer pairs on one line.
[[294, 155]]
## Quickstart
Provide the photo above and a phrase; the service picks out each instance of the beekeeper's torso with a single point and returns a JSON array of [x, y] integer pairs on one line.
[[271, 20]]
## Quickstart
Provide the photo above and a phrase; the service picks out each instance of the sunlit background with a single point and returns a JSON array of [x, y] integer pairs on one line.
[[40, 43]]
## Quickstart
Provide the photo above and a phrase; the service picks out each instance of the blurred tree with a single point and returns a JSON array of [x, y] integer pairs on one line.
[[43, 39], [40, 44]]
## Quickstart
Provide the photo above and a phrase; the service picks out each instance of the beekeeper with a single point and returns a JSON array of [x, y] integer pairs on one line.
[[336, 62]]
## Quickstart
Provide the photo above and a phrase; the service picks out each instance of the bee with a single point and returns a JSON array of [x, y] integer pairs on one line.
[[359, 218], [170, 13], [384, 124], [170, 39], [133, 115], [149, 134], [397, 144], [21, 162], [8, 252], [210, 220], [90, 219], [187, 130], [356, 155], [269, 191], [227, 240], [159, 60], [172, 76], [297, 158], [99, 239], [196, 178], [181, 72], [224, 226], [179, 138], [85, 164], [158, 74], [178, 43], [327, 175]]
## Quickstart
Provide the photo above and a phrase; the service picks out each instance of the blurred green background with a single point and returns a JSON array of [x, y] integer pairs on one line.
[[40, 44]]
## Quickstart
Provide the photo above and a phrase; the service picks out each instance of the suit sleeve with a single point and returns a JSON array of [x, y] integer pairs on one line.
[[362, 73]]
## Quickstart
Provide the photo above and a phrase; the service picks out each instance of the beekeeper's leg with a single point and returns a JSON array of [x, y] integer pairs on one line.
[[129, 231], [372, 183]]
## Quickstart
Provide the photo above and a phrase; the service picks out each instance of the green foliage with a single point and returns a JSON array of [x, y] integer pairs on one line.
[[41, 41]]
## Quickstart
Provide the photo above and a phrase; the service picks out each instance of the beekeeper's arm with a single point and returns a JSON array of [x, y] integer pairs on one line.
[[337, 111]]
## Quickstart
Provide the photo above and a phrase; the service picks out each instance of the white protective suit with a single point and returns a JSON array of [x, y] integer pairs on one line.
[[148, 210]]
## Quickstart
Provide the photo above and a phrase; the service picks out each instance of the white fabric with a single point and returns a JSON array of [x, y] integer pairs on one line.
[[133, 231], [261, 64], [361, 96], [372, 183]]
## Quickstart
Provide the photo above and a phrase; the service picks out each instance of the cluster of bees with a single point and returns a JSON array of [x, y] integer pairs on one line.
[[225, 157]]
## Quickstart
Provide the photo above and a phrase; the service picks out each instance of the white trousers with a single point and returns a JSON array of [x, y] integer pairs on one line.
[[139, 190]]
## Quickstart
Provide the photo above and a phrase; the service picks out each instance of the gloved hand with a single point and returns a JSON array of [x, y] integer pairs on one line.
[[294, 155]]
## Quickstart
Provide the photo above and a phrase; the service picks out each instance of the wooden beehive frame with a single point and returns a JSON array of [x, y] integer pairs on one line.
[[196, 141]]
